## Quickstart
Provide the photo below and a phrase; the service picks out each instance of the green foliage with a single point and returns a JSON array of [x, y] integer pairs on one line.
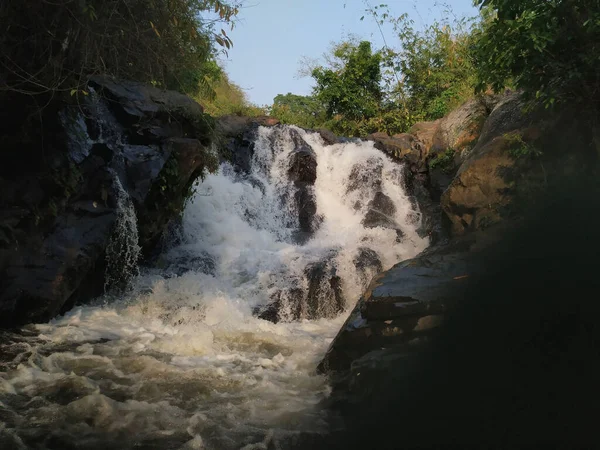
[[519, 148], [226, 98], [360, 91], [304, 111], [443, 161], [548, 48], [435, 66], [353, 90], [52, 47]]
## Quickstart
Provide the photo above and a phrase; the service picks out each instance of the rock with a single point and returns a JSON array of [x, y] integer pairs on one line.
[[328, 137], [150, 113], [519, 155], [165, 200], [286, 305], [380, 214], [482, 186], [367, 263], [37, 284], [303, 172], [367, 259], [473, 199], [424, 132], [383, 204], [368, 174], [235, 126], [143, 164], [324, 297], [404, 147], [181, 264], [303, 165], [236, 134], [154, 142], [460, 129], [404, 303], [306, 205]]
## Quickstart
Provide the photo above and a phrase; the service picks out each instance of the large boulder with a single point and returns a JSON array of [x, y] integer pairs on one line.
[[455, 136], [520, 153]]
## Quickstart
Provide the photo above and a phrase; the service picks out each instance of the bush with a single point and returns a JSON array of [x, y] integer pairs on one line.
[[549, 49]]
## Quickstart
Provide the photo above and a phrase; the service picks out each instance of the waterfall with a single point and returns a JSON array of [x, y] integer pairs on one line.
[[186, 358], [123, 250]]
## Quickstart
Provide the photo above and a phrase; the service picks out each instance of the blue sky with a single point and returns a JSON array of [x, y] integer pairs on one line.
[[272, 36]]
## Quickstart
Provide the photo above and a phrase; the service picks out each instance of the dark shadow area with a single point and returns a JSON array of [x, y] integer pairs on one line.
[[517, 364]]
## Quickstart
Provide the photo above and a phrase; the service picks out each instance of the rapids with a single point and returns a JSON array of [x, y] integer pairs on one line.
[[180, 360]]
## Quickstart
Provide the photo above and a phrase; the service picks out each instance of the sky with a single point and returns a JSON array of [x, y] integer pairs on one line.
[[272, 36]]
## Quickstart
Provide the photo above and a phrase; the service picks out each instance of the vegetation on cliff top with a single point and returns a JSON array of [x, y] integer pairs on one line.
[[547, 49]]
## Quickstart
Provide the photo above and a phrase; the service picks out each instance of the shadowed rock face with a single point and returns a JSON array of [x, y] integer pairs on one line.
[[56, 224], [513, 364]]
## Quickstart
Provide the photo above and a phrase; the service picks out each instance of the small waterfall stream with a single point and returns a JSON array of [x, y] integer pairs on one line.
[[123, 250], [182, 360]]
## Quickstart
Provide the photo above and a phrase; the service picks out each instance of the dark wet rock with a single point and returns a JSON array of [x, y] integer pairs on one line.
[[380, 214], [36, 284], [303, 173], [150, 114], [328, 137], [367, 259], [53, 255], [383, 203], [324, 297], [367, 263], [403, 303], [235, 126], [240, 150], [285, 305], [368, 174], [306, 205], [236, 134], [182, 264], [303, 165]]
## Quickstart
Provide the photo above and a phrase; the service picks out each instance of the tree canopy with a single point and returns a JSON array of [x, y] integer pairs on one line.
[[352, 90]]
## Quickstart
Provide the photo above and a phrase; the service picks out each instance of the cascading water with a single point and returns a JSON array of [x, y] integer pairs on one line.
[[183, 361], [123, 250]]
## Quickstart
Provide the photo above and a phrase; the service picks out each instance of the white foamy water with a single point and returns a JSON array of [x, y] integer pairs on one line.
[[181, 362]]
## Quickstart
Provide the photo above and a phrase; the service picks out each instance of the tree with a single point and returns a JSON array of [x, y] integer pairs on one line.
[[304, 111], [548, 48], [435, 67], [352, 88]]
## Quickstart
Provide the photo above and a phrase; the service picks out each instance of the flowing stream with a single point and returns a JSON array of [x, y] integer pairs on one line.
[[181, 361]]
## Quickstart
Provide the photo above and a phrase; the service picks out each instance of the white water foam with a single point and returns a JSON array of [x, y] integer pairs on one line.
[[123, 250], [181, 362]]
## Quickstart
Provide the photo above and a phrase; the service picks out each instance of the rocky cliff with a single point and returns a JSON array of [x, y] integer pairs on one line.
[[66, 216]]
